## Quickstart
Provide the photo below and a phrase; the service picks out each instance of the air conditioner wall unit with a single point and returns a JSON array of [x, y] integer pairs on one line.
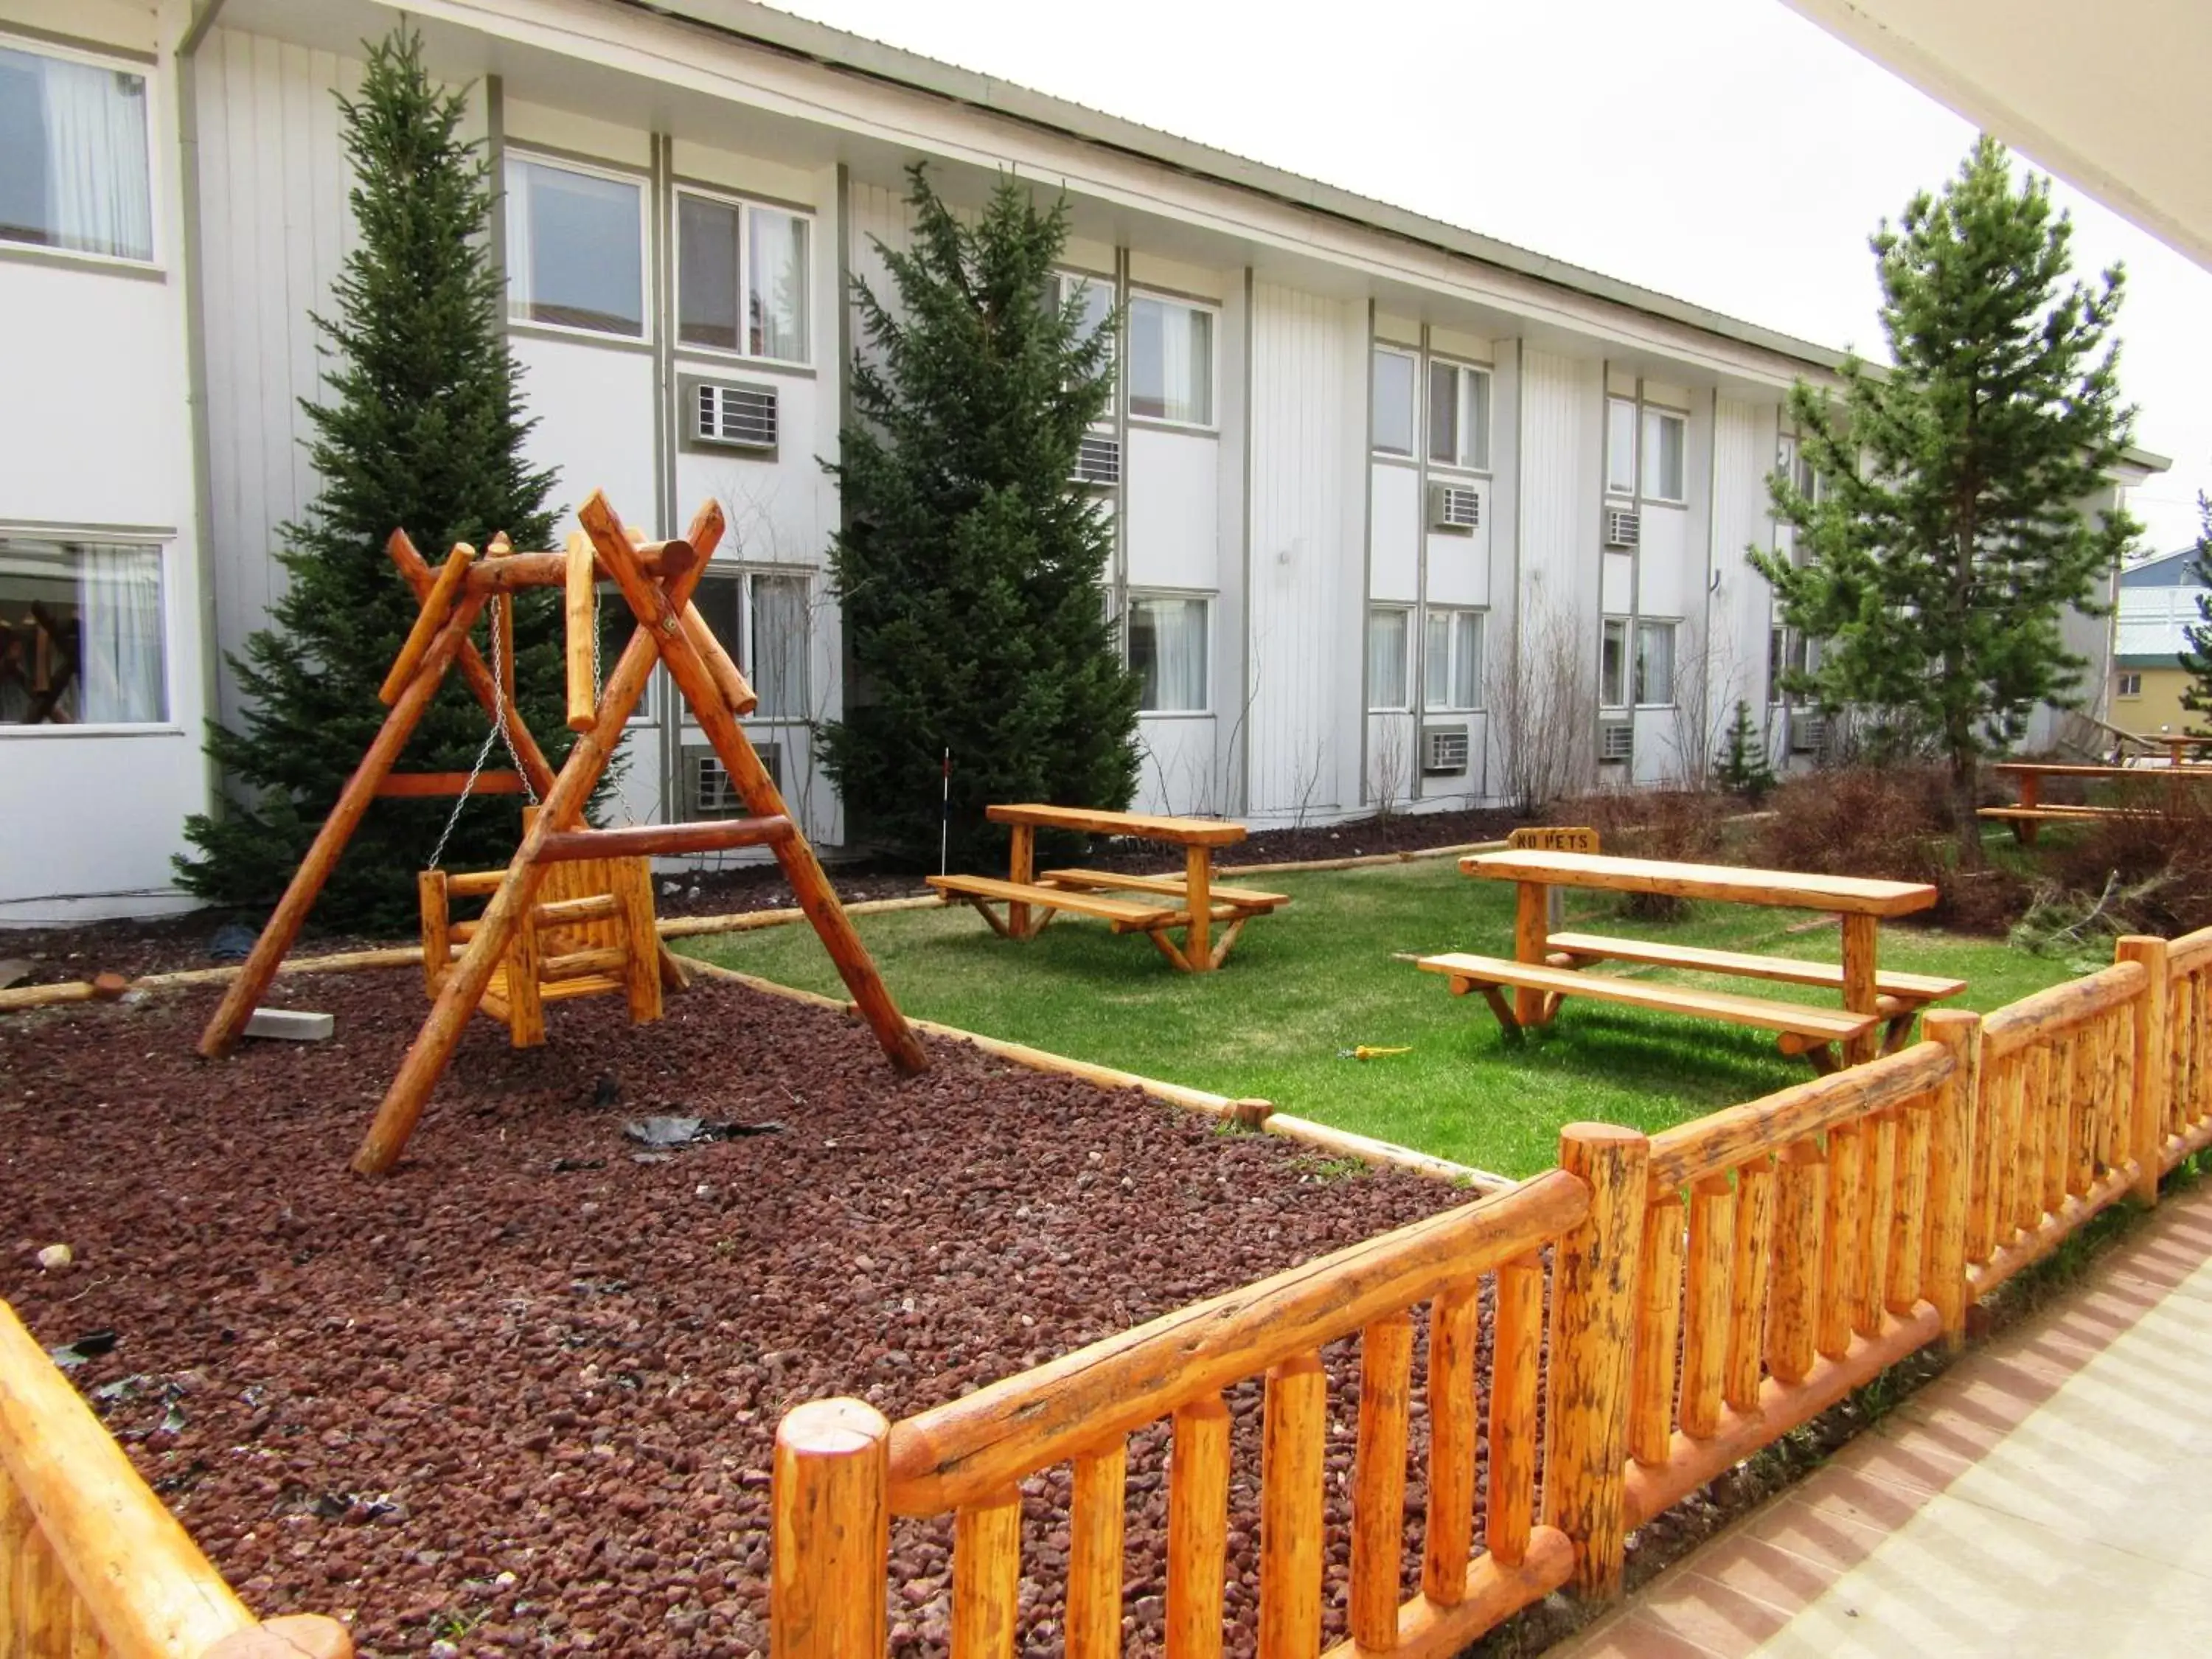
[[1098, 459], [1444, 750], [1808, 732], [1455, 507], [1624, 527], [1616, 741], [706, 789], [729, 414]]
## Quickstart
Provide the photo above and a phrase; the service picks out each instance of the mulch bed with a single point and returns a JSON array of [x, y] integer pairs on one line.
[[520, 1396]]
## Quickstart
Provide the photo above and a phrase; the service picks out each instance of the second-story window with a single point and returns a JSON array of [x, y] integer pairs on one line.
[[73, 160], [1393, 378], [575, 248], [1459, 416], [1170, 360], [1621, 445], [742, 272], [1664, 434]]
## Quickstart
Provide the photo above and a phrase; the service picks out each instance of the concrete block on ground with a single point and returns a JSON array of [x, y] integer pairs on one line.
[[291, 1024]]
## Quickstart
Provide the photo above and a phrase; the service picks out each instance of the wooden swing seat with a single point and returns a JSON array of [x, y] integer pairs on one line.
[[590, 932]]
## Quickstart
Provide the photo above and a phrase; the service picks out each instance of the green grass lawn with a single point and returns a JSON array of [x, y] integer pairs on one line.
[[1319, 976]]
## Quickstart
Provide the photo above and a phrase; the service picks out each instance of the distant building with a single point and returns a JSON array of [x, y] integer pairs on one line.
[[2158, 601]]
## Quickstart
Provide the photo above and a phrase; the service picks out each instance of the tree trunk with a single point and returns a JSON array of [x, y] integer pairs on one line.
[[1965, 791]]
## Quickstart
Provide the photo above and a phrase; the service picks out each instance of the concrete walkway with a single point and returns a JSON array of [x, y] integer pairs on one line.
[[2051, 1494]]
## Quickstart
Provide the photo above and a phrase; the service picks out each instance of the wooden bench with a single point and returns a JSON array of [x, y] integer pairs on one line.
[[1902, 995], [1177, 887], [1813, 1032], [983, 891], [2032, 813]]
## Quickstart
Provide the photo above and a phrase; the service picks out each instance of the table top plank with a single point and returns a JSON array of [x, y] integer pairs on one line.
[[1148, 826], [2074, 769], [1729, 883]]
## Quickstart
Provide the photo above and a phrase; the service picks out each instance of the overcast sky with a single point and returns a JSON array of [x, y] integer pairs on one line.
[[1724, 151]]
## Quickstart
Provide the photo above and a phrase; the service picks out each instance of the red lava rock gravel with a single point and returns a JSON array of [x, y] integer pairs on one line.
[[520, 1396]]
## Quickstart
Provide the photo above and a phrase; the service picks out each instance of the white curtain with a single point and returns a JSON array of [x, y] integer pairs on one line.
[[515, 203], [1386, 659], [97, 198], [779, 286], [779, 647], [120, 669], [1167, 648]]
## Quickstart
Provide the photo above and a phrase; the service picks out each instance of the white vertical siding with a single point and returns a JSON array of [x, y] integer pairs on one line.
[[1307, 439], [1743, 452], [274, 228], [1562, 442]]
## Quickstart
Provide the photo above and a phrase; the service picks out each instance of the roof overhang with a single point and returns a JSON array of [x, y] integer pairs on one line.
[[2110, 96]]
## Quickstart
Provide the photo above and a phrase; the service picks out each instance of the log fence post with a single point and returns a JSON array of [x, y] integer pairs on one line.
[[831, 1544], [1592, 1326], [2154, 1077], [1951, 1138]]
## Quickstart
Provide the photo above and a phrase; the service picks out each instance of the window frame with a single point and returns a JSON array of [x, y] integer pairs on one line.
[[745, 206], [1205, 599], [1125, 368], [1066, 280], [741, 649], [1646, 414], [155, 261], [1673, 625], [1410, 355], [2128, 678], [1408, 703], [1452, 615], [646, 338], [161, 546], [1615, 403], [1609, 629], [1468, 376]]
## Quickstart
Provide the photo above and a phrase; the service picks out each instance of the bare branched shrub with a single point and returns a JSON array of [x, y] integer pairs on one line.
[[1543, 709], [1679, 824]]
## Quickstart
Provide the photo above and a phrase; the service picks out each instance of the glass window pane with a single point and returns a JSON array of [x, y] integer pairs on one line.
[[1467, 661], [1166, 649], [575, 253], [1655, 662], [1393, 402], [73, 166], [1476, 450], [775, 652], [1436, 660], [81, 634], [721, 601], [616, 622], [1621, 445], [706, 272], [776, 305], [1612, 670], [1386, 658], [1443, 414], [1662, 456], [1170, 362]]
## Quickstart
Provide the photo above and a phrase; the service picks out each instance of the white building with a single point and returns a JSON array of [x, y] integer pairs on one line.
[[1361, 464]]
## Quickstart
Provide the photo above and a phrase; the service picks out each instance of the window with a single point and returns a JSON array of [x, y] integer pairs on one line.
[[1655, 664], [575, 248], [1451, 660], [1613, 664], [73, 159], [1663, 436], [616, 622], [725, 250], [1388, 636], [2131, 685], [1170, 362], [761, 618], [81, 634], [1093, 296], [1393, 394], [1459, 416], [1166, 649], [1786, 654], [1621, 445]]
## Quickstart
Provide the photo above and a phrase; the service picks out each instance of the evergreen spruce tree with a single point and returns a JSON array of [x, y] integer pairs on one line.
[[2196, 654], [1741, 767], [1947, 535], [970, 572], [424, 432]]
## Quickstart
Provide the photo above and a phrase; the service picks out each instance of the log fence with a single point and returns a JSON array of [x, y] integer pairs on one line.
[[1710, 1289]]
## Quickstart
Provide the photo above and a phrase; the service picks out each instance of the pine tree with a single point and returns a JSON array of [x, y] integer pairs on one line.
[[423, 431], [1741, 767], [2196, 654], [1946, 536], [970, 572]]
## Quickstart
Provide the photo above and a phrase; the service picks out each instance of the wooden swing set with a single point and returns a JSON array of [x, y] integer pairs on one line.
[[572, 914]]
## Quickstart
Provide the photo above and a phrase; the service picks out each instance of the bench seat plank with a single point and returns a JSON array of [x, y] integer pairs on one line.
[[2054, 814], [1123, 911], [1171, 886], [1785, 970], [1818, 1025]]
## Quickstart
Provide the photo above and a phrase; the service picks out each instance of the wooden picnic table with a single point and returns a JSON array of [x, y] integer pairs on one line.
[[2025, 817], [1547, 966], [1152, 905]]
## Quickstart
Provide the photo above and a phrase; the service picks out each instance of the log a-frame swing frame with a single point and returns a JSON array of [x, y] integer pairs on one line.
[[656, 579]]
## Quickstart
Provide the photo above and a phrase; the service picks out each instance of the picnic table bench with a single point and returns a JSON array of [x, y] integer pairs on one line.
[[1155, 906], [2031, 813], [1548, 966]]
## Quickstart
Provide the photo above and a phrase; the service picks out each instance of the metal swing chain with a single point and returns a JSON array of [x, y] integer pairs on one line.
[[498, 734]]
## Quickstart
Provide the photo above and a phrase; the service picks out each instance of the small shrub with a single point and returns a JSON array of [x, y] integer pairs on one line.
[[2156, 863], [1740, 768]]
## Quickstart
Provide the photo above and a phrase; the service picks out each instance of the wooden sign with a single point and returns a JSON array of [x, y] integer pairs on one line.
[[1555, 838]]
